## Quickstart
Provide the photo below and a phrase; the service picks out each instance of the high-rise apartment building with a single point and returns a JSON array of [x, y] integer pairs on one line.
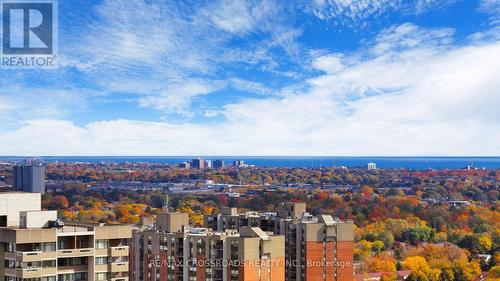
[[35, 246], [316, 247], [29, 178], [229, 218], [198, 163], [218, 164], [309, 247], [239, 163], [371, 166], [173, 251]]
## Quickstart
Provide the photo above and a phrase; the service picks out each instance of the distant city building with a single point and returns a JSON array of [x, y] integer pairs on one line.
[[29, 178], [185, 165], [198, 163], [208, 164], [372, 166], [233, 195], [239, 163], [218, 164]]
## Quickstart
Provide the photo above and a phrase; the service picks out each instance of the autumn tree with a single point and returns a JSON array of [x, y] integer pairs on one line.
[[59, 202]]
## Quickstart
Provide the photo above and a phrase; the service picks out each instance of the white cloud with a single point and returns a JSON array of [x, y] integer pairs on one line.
[[241, 17], [355, 12], [329, 63], [427, 98], [178, 96], [408, 36], [423, 100], [169, 53], [20, 103], [250, 86], [491, 7]]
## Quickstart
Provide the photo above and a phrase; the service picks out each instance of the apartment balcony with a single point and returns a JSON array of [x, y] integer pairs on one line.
[[10, 255], [33, 256], [26, 272], [72, 269], [49, 271], [68, 253], [30, 273], [119, 279], [120, 251], [101, 268], [101, 252], [75, 230], [119, 267]]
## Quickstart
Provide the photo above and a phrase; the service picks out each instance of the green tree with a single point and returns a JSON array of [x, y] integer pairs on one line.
[[446, 275], [387, 238], [417, 276], [418, 234]]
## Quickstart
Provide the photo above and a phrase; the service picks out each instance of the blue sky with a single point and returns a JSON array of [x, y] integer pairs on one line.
[[325, 77]]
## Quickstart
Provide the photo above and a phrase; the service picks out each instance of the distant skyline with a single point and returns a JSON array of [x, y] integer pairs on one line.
[[325, 77], [419, 163]]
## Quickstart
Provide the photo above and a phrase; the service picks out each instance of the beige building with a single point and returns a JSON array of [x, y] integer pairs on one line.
[[229, 218], [171, 250], [12, 203], [37, 247], [316, 247]]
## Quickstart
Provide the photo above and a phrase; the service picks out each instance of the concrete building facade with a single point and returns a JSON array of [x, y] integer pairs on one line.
[[316, 247], [169, 252], [38, 247]]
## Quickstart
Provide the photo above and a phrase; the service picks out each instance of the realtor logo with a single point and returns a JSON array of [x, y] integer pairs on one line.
[[29, 38]]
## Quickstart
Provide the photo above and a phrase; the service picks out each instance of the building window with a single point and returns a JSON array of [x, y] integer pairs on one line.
[[80, 276], [101, 244], [49, 278], [81, 244], [61, 245], [10, 264], [101, 276], [49, 263], [101, 260], [10, 247], [3, 221], [49, 247], [72, 261]]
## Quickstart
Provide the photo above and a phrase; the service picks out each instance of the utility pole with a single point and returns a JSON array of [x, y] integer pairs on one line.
[[166, 199]]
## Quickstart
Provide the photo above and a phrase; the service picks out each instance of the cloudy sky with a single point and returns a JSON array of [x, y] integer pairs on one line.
[[324, 77]]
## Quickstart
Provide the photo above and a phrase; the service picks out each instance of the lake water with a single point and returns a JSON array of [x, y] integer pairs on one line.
[[417, 163]]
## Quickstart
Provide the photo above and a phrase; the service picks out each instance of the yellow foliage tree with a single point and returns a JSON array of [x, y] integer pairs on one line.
[[381, 262], [389, 276], [417, 264], [494, 273], [485, 243]]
